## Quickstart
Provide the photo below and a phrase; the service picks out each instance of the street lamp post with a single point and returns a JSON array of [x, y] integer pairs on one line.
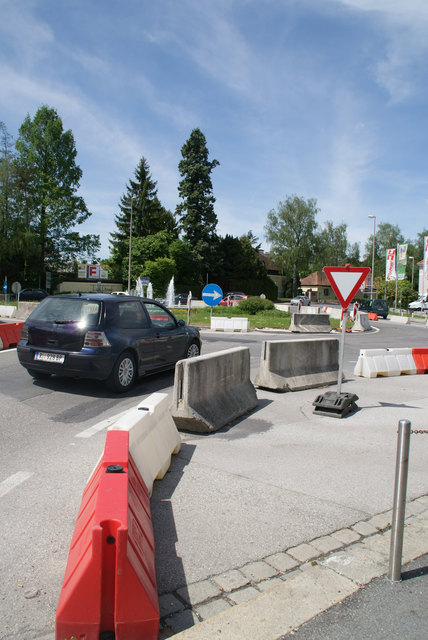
[[130, 248], [373, 256], [413, 266]]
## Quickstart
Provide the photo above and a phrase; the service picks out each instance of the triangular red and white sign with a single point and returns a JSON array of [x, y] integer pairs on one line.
[[346, 281]]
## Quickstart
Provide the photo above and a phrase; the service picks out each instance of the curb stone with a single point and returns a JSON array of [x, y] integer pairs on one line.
[[260, 604]]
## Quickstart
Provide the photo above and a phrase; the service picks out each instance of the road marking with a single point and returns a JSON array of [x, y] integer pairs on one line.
[[13, 481], [8, 350], [100, 426]]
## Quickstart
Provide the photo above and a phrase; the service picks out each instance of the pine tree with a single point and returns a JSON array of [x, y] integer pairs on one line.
[[196, 211], [148, 215]]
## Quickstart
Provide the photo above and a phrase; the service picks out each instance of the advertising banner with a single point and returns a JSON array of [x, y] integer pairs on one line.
[[402, 261], [426, 258], [390, 265]]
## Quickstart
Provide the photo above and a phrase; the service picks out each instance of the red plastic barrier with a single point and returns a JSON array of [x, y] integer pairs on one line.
[[10, 333], [110, 583], [420, 356], [372, 316]]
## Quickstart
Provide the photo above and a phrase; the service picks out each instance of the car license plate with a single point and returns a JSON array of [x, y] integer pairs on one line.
[[49, 357]]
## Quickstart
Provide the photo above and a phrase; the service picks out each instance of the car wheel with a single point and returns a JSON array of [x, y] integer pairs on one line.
[[123, 373], [38, 375], [193, 350]]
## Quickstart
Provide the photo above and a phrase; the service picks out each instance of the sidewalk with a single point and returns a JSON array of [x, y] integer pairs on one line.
[[264, 525], [266, 600]]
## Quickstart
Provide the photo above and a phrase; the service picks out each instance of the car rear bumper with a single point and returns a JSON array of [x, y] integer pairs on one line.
[[88, 363]]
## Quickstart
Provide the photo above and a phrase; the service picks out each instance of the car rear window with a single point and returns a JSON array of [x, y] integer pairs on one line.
[[68, 311]]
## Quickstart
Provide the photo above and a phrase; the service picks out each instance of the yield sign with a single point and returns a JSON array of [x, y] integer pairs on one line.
[[346, 281]]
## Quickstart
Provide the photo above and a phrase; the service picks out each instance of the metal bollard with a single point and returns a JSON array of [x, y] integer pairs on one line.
[[399, 506]]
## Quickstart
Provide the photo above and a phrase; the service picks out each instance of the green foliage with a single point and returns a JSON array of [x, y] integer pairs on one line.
[[253, 305], [290, 230], [160, 272], [405, 292], [49, 180], [39, 206]]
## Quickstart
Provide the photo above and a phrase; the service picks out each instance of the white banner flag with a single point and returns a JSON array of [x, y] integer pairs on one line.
[[390, 265], [426, 258]]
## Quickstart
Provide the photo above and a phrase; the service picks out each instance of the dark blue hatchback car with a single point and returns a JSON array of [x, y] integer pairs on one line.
[[104, 337]]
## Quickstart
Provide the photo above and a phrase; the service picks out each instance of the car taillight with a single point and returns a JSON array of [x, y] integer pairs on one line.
[[96, 339], [24, 332]]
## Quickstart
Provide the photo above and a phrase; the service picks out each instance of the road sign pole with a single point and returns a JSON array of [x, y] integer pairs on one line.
[[342, 350]]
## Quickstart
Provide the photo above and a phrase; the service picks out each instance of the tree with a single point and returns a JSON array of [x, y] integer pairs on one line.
[[290, 231], [198, 220], [387, 237], [46, 162], [148, 215], [331, 246]]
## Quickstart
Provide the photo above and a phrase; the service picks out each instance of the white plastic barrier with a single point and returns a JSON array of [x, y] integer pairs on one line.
[[153, 436], [373, 363], [8, 311], [229, 324]]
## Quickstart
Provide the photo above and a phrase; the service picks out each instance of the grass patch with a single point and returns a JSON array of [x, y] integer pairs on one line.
[[273, 319]]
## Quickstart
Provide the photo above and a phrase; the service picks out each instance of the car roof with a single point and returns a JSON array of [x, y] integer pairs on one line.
[[102, 297]]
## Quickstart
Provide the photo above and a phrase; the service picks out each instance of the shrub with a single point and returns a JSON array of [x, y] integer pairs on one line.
[[253, 305]]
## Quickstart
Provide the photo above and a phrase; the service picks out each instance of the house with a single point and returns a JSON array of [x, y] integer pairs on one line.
[[317, 287]]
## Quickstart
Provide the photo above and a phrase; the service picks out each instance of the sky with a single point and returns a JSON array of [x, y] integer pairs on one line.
[[324, 99]]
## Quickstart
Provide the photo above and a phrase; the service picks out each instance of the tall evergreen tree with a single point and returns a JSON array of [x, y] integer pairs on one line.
[[46, 164], [148, 215], [196, 211]]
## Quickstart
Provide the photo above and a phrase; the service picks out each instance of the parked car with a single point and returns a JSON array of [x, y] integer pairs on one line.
[[302, 300], [181, 298], [419, 305], [34, 295], [376, 305], [233, 299], [104, 337]]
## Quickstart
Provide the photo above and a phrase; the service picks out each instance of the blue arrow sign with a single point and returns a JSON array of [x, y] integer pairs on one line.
[[212, 295]]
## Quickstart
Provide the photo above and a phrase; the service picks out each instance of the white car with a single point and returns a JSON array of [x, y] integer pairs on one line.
[[419, 305], [302, 300]]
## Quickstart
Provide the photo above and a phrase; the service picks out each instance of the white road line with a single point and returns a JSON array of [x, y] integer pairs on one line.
[[13, 481], [7, 350], [100, 426]]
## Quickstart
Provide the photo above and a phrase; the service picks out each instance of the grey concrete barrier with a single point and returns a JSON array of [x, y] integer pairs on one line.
[[25, 308], [310, 323], [212, 390], [362, 322], [292, 365]]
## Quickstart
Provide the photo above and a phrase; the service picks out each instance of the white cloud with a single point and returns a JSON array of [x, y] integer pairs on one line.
[[398, 67]]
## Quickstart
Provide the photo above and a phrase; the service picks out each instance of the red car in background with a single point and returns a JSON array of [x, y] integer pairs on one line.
[[232, 299]]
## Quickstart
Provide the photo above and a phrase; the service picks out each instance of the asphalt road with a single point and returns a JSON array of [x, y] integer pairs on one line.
[[52, 436]]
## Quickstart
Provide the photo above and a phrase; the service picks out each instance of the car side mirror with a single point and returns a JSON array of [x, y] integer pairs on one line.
[[181, 323]]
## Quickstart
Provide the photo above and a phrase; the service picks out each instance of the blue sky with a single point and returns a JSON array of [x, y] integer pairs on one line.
[[326, 99]]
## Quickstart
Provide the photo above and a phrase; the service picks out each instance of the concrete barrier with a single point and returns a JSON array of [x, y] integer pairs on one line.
[[375, 363], [399, 319], [153, 436], [310, 323], [362, 322], [229, 324], [291, 365], [212, 390], [25, 308]]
